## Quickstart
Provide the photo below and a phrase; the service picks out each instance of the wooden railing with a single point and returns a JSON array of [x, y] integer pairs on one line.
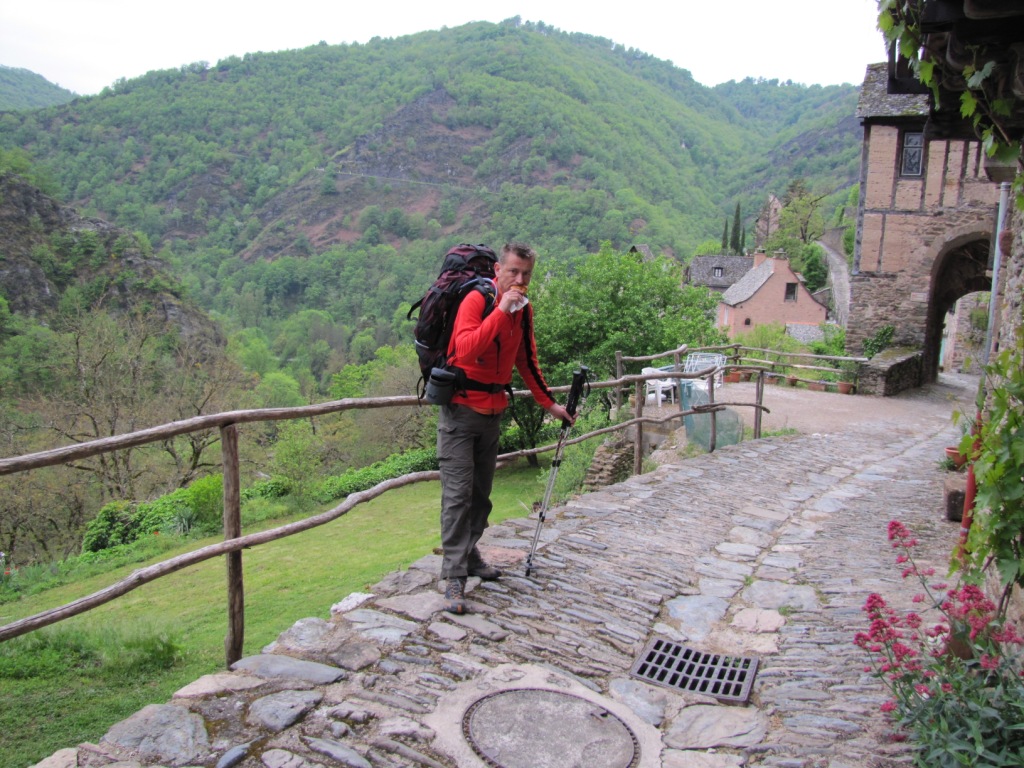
[[234, 542], [778, 364]]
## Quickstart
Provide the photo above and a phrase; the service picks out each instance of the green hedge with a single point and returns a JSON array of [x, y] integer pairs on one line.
[[355, 480]]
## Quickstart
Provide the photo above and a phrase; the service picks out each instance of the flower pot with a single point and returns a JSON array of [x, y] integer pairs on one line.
[[732, 377], [816, 386], [954, 455], [844, 387], [791, 380]]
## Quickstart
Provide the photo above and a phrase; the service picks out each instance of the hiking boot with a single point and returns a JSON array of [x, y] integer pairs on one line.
[[455, 595], [477, 567]]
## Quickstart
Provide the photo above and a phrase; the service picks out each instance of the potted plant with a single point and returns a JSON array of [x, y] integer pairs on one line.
[[816, 386], [953, 454], [732, 377], [850, 369]]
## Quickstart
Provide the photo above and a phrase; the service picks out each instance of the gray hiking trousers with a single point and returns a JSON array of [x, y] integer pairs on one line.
[[467, 449]]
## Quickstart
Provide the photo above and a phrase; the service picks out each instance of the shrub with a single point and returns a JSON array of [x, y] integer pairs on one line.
[[881, 340], [274, 488], [112, 526], [163, 514], [355, 480], [195, 508], [206, 497]]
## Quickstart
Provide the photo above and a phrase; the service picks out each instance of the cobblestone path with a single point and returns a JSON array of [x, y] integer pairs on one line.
[[765, 551]]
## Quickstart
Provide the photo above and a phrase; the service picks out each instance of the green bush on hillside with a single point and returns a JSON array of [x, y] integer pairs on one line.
[[272, 488], [196, 508], [362, 478]]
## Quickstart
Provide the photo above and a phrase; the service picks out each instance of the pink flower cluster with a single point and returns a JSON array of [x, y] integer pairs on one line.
[[904, 648]]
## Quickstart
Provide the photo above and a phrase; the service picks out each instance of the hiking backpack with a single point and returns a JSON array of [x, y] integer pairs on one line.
[[466, 268]]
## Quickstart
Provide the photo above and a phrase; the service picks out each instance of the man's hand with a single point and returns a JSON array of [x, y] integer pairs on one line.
[[512, 300], [559, 412]]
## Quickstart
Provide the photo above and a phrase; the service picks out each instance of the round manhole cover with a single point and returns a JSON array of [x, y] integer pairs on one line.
[[530, 728]]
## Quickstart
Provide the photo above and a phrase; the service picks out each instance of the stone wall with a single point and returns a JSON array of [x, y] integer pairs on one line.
[[1012, 282], [1011, 324], [890, 372], [612, 463], [964, 340]]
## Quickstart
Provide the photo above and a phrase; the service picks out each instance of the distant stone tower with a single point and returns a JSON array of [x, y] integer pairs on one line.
[[767, 220]]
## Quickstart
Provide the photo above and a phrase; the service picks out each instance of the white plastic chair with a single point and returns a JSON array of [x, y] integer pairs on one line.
[[660, 387], [701, 361]]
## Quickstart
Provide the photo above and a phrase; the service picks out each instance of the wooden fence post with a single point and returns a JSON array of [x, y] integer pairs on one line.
[[759, 399], [677, 367], [638, 445], [618, 375], [235, 638], [713, 437]]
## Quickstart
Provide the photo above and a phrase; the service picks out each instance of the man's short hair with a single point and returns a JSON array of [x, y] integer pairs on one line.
[[521, 250]]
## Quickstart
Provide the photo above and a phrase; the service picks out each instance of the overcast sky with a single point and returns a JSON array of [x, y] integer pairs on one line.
[[85, 45]]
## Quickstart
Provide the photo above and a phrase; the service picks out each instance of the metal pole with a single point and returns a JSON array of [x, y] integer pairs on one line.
[[577, 396]]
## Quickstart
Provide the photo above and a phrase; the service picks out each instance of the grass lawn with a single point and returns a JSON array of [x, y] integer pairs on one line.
[[69, 683]]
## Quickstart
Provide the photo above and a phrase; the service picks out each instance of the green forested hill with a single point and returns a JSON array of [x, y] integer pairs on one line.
[[330, 180], [238, 155], [21, 89]]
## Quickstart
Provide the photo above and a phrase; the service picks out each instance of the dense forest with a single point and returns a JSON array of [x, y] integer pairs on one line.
[[272, 217], [22, 89]]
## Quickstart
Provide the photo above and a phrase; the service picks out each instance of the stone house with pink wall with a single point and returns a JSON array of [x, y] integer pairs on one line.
[[771, 292]]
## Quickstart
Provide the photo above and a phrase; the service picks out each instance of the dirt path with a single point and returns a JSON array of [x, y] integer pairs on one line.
[[825, 412]]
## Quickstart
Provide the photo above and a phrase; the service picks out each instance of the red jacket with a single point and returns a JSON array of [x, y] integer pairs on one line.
[[487, 348]]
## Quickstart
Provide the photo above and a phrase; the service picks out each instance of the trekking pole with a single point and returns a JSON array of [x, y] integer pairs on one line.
[[580, 389]]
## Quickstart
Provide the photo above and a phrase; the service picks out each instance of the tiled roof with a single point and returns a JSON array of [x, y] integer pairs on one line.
[[646, 254], [749, 284], [876, 101], [702, 270]]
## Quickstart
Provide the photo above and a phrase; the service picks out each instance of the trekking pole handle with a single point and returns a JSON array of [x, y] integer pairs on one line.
[[580, 388]]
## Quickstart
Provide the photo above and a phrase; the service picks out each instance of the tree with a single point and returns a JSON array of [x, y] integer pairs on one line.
[[707, 248], [813, 267], [801, 215], [725, 236], [377, 432], [111, 372], [278, 390], [614, 301], [203, 383], [737, 225]]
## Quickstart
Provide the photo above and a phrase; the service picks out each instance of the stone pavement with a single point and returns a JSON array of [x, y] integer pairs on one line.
[[765, 551]]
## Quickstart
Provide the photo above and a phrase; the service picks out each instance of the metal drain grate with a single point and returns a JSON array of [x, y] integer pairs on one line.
[[727, 678]]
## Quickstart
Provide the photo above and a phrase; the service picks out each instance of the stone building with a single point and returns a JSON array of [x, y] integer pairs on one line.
[[717, 271], [767, 220], [926, 221], [771, 292]]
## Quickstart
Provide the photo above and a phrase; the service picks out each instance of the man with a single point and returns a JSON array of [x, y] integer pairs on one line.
[[486, 349]]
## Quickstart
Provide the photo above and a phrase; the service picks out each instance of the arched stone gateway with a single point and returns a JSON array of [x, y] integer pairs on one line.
[[926, 223], [959, 269]]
